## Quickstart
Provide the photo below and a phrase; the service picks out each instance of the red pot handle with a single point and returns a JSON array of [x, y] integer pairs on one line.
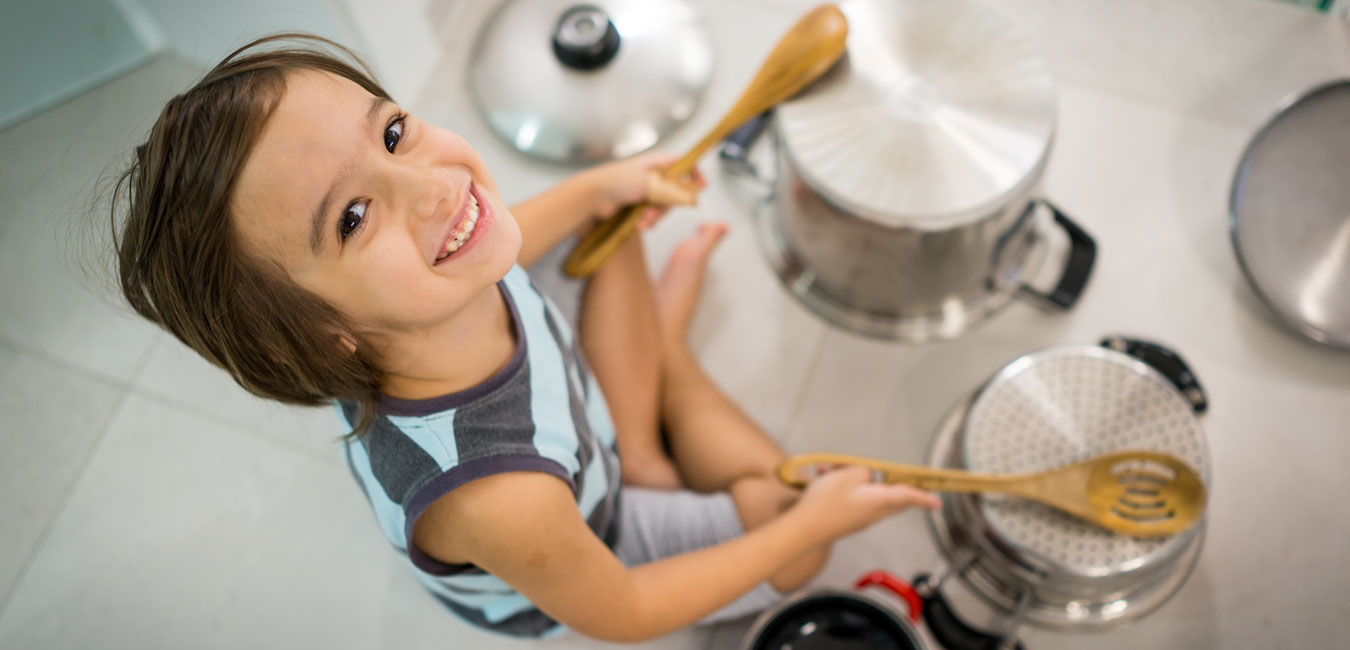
[[897, 586]]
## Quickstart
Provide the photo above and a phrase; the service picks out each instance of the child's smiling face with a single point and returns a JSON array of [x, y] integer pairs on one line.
[[359, 204]]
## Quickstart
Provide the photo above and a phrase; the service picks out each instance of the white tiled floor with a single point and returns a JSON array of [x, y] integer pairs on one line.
[[147, 501]]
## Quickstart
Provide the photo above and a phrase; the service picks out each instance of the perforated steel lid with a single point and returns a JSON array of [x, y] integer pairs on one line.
[[939, 113], [1061, 406]]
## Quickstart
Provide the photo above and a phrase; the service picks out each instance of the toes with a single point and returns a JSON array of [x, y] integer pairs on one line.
[[712, 230], [701, 244]]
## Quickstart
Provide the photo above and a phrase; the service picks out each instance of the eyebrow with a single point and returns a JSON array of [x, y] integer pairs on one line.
[[316, 232]]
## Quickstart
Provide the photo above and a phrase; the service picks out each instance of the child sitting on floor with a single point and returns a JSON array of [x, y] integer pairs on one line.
[[296, 227]]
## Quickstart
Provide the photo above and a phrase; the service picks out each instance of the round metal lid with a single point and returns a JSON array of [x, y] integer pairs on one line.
[[939, 112], [1063, 405], [1289, 213], [583, 82]]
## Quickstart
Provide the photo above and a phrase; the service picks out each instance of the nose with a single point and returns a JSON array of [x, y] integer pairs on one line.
[[418, 194], [428, 196]]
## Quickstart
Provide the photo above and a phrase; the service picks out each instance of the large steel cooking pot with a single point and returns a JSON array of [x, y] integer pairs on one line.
[[904, 205], [1033, 563]]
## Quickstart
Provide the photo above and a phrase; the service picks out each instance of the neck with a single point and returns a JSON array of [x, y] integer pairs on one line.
[[457, 354]]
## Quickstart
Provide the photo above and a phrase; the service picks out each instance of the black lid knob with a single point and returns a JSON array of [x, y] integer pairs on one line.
[[585, 38]]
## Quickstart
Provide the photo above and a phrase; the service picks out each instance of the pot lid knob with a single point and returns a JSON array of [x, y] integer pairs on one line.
[[584, 81], [586, 38]]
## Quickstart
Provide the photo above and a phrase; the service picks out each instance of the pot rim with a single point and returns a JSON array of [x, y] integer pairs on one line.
[[999, 573], [890, 609]]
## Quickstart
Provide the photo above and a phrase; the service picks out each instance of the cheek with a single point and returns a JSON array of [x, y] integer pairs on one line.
[[457, 149], [389, 287]]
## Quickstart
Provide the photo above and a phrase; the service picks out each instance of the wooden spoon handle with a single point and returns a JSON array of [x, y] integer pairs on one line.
[[927, 478], [602, 241], [805, 53], [606, 238]]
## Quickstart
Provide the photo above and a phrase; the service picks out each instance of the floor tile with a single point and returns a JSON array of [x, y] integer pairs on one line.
[[1165, 51], [50, 420], [1227, 60], [53, 281], [176, 373], [187, 533]]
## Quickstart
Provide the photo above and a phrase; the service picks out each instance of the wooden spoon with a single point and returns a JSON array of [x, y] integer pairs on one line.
[[1139, 493], [802, 56]]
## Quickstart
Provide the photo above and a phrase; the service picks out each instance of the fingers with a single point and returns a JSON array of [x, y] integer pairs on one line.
[[905, 496], [661, 191], [656, 159], [851, 475], [649, 217]]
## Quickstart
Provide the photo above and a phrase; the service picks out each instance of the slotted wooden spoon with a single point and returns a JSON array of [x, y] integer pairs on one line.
[[1139, 493], [801, 56]]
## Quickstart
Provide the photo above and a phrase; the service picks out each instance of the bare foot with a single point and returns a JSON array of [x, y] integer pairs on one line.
[[678, 288]]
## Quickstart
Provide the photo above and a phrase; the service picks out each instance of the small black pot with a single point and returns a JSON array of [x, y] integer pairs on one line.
[[837, 619]]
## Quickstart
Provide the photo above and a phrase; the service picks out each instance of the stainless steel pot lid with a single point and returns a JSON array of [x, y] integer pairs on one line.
[[1062, 405], [1289, 213], [937, 115], [586, 81]]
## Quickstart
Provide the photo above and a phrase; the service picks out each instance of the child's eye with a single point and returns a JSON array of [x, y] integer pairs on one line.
[[393, 133], [351, 220]]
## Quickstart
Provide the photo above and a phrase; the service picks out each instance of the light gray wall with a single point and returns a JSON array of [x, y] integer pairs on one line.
[[204, 31], [51, 51]]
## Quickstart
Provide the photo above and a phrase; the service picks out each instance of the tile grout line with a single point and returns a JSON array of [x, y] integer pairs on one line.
[[181, 405], [173, 402], [82, 467], [67, 365], [817, 354]]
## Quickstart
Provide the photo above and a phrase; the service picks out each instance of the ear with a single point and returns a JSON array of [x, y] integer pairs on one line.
[[346, 343]]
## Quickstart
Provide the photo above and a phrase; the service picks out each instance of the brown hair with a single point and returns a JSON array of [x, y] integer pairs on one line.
[[180, 260]]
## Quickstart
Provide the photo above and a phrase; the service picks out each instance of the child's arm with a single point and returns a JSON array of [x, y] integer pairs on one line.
[[525, 529], [596, 193]]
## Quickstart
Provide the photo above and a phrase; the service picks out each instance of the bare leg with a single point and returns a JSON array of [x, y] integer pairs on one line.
[[620, 338], [713, 441], [760, 499], [637, 349]]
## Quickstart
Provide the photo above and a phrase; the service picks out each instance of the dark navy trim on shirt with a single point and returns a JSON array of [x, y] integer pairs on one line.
[[457, 476], [430, 405]]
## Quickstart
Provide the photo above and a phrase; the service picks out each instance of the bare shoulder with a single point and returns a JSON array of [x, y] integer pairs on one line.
[[490, 510]]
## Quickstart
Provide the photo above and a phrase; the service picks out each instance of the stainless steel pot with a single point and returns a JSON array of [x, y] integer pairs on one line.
[[904, 204], [1289, 213], [1035, 564]]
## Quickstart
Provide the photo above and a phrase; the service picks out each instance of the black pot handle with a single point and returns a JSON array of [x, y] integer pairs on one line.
[[735, 151], [1077, 269], [950, 631], [1167, 362]]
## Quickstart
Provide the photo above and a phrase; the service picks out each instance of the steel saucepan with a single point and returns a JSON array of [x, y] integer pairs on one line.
[[905, 202], [1033, 564]]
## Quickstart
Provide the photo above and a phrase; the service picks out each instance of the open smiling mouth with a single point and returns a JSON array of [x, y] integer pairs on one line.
[[462, 230]]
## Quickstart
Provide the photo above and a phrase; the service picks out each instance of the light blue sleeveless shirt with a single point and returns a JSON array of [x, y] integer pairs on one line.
[[543, 412]]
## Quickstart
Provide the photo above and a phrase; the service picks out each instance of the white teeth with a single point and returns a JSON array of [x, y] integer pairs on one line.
[[465, 227]]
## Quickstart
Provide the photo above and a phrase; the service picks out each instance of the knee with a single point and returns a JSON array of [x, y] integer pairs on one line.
[[759, 499]]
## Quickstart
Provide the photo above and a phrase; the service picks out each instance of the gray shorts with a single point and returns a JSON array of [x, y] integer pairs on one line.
[[656, 524]]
